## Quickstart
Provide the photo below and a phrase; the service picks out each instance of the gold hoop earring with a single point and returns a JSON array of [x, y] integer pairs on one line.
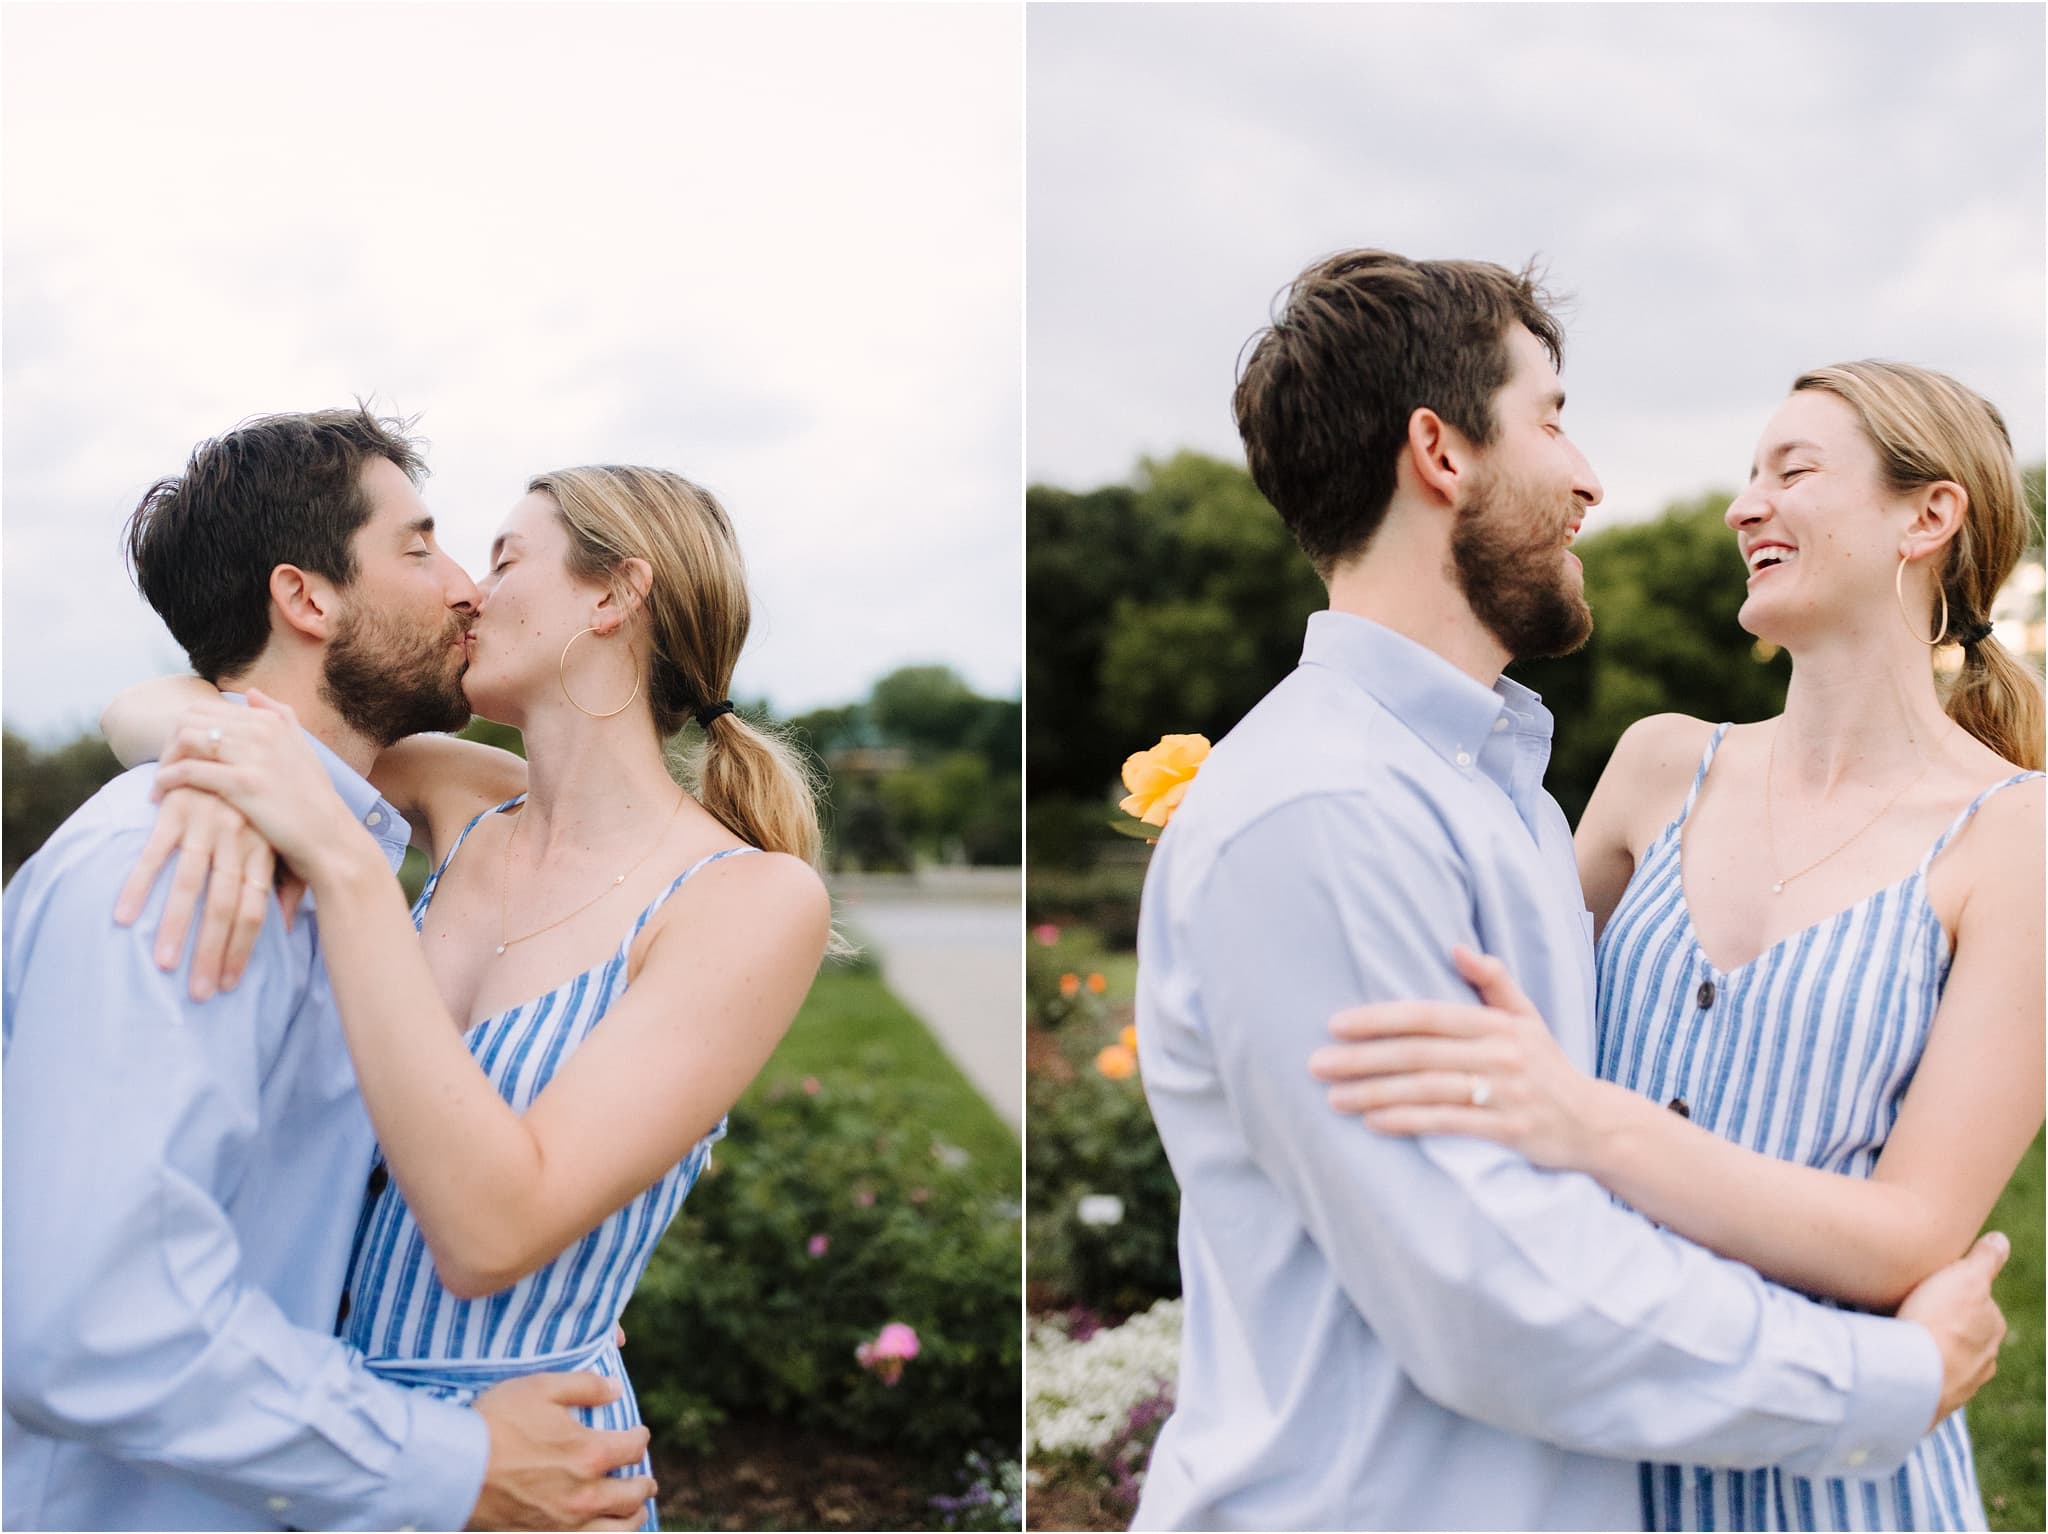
[[1899, 586], [562, 670]]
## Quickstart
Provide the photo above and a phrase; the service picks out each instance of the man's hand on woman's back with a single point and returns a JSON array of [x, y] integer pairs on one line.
[[1955, 1304], [547, 1470]]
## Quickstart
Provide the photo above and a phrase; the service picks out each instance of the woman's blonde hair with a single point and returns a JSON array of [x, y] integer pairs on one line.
[[1926, 428], [696, 609]]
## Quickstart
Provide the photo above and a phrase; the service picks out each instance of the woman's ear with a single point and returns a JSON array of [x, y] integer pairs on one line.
[[627, 596], [1937, 518]]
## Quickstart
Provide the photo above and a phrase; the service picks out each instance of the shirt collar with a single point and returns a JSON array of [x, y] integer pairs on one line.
[[373, 812], [1452, 713]]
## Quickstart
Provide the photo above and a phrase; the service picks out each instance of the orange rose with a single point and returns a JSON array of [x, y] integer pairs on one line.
[[1116, 1062], [1158, 779]]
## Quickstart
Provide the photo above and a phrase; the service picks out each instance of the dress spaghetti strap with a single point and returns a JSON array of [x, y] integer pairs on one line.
[[1706, 761], [1969, 810], [434, 879]]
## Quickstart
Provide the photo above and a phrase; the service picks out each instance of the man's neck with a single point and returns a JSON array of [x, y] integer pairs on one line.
[[300, 687], [1403, 582]]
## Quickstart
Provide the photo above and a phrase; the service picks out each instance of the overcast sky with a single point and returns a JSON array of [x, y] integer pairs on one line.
[[1733, 193], [776, 248]]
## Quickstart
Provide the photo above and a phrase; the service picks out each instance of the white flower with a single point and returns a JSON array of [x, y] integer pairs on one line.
[[1100, 1209], [1080, 1394]]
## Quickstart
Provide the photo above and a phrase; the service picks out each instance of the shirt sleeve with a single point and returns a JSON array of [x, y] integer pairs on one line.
[[130, 1115], [1521, 1297]]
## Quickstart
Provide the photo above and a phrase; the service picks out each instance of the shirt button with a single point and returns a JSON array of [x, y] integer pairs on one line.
[[374, 818], [379, 1179], [1857, 1457], [1500, 724], [278, 1504], [1705, 996], [1464, 759]]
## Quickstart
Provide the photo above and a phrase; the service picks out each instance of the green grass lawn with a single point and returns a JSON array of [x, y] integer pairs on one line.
[[852, 1024], [2006, 1417]]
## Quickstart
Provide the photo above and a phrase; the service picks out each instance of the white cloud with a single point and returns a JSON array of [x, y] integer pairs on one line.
[[776, 248], [1731, 193]]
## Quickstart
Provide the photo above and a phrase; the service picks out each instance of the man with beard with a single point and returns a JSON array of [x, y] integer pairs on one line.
[[1431, 1333], [182, 1181]]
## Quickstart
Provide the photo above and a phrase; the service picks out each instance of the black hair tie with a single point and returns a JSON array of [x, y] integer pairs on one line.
[[1974, 634], [711, 711]]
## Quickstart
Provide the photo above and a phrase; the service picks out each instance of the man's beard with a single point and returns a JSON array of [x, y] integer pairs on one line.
[[1506, 556], [387, 682]]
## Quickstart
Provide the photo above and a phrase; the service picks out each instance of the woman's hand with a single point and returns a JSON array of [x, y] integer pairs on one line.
[[1491, 1070], [257, 760], [219, 853]]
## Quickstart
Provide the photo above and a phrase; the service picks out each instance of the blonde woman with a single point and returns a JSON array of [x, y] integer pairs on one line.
[[600, 963], [1819, 935]]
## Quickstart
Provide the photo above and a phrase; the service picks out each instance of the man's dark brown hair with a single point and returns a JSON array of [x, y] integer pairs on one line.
[[277, 490], [1361, 341]]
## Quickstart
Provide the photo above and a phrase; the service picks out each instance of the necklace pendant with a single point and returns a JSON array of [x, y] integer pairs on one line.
[[1776, 889], [501, 948]]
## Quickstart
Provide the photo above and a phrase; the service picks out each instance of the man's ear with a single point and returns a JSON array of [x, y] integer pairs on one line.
[[306, 603], [1437, 455], [626, 597], [1938, 515]]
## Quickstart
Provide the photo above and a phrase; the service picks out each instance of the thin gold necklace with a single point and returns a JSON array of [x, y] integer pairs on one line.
[[1771, 832], [505, 887]]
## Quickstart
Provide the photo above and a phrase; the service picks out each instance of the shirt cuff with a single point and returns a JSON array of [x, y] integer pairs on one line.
[[440, 1472], [1891, 1408]]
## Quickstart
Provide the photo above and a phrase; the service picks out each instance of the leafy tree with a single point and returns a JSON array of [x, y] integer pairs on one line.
[[43, 787]]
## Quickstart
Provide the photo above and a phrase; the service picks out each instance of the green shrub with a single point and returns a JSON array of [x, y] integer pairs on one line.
[[1104, 897], [735, 1313], [1094, 1136]]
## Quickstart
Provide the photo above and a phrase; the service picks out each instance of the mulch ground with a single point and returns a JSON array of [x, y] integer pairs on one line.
[[1064, 1502], [766, 1475]]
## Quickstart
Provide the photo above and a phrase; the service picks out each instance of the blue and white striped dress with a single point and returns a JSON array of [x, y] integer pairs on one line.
[[1804, 1053], [560, 1317]]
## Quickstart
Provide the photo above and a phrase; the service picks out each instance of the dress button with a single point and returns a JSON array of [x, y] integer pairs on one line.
[[1706, 994], [379, 1178], [1676, 1105], [341, 1310]]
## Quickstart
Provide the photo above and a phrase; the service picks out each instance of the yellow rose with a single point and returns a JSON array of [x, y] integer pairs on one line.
[[1116, 1062], [1158, 779]]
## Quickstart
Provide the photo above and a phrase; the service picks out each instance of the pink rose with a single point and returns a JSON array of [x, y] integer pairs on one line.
[[894, 1346]]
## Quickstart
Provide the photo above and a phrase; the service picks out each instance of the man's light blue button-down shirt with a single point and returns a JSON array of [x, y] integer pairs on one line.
[[182, 1184], [1387, 1333]]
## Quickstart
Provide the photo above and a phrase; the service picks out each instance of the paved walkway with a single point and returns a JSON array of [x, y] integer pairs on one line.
[[951, 944]]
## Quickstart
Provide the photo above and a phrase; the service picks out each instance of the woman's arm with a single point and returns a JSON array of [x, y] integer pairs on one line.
[[1640, 790], [140, 719], [498, 1194], [1973, 1107], [440, 783]]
